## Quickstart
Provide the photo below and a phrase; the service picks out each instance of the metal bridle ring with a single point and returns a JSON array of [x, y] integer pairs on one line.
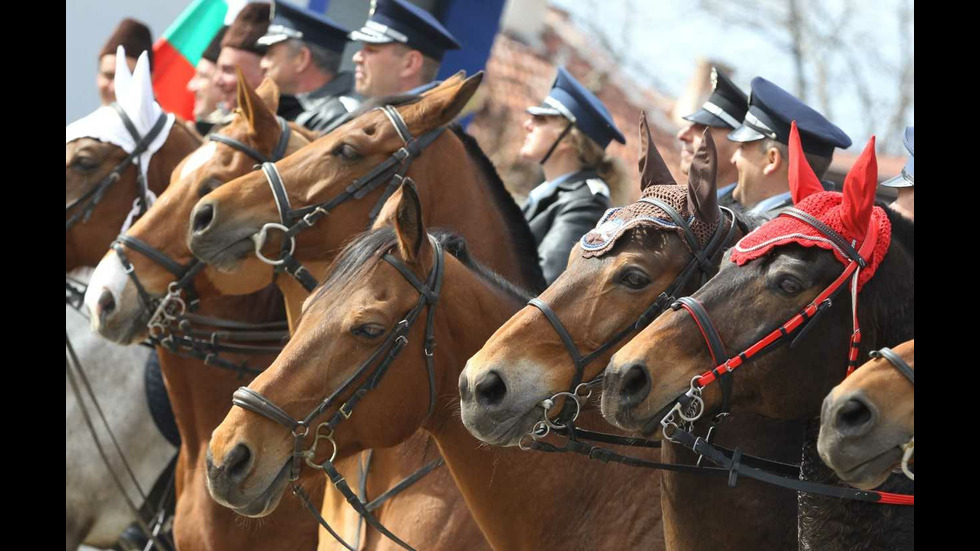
[[259, 240], [550, 403]]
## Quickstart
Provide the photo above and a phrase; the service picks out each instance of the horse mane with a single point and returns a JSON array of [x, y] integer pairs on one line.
[[521, 237], [367, 249]]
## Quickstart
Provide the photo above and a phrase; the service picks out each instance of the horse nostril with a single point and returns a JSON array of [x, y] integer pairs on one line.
[[464, 387], [636, 384], [203, 216], [854, 416], [491, 389], [106, 304], [238, 461]]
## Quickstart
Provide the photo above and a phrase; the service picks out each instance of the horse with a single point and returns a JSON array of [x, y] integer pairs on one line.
[[867, 423], [123, 298], [95, 510], [353, 344], [787, 269], [452, 161], [622, 275]]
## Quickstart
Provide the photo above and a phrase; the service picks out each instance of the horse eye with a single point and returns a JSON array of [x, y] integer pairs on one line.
[[207, 186], [790, 285], [347, 152], [85, 163], [634, 279], [368, 330]]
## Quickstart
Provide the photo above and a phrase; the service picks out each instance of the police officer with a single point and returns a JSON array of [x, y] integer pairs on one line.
[[722, 113], [762, 158], [206, 95], [905, 182], [239, 49], [402, 48], [303, 58], [568, 134], [135, 38]]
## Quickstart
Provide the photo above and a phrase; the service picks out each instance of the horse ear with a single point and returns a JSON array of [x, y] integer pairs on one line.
[[408, 221], [859, 192], [802, 180], [122, 79], [442, 104], [268, 92], [449, 82], [653, 169], [702, 185], [253, 107]]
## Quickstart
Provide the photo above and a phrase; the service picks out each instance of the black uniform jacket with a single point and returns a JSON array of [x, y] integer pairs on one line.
[[561, 217]]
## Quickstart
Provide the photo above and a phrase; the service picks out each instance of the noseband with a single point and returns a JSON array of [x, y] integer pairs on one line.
[[293, 221], [91, 198], [702, 260], [369, 373]]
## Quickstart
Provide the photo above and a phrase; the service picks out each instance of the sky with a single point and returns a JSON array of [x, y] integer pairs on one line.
[[665, 39]]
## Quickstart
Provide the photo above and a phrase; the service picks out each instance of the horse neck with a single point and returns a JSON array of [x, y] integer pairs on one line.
[[455, 194], [180, 143], [470, 310]]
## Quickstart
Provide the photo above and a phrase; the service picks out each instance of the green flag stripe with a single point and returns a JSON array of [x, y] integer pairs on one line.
[[193, 30]]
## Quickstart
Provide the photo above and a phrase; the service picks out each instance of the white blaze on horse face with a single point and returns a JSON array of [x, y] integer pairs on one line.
[[197, 159], [110, 276]]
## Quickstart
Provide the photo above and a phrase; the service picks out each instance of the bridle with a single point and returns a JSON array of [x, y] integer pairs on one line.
[[689, 407], [365, 378], [293, 221], [908, 448], [170, 322], [703, 260], [91, 198]]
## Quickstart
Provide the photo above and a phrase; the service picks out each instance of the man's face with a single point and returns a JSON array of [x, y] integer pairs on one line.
[[279, 64], [751, 162], [205, 95], [690, 137], [225, 80], [542, 131], [377, 69], [106, 74]]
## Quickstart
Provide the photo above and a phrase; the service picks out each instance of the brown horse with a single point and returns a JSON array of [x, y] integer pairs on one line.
[[478, 206], [521, 501], [198, 392], [462, 192], [868, 421], [747, 300], [598, 300], [87, 163]]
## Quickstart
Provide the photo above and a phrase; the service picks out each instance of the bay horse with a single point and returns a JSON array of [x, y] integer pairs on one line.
[[463, 192], [121, 305], [868, 421], [350, 335], [603, 299], [777, 273], [95, 511]]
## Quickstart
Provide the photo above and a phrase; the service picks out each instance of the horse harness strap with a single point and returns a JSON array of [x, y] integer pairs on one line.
[[702, 260], [277, 152], [369, 373], [172, 310], [90, 199], [293, 221]]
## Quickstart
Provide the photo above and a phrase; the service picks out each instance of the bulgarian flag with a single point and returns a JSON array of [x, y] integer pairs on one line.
[[176, 53]]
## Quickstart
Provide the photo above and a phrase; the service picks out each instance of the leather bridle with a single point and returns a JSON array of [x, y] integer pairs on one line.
[[293, 221], [173, 310], [365, 378], [91, 198], [703, 260]]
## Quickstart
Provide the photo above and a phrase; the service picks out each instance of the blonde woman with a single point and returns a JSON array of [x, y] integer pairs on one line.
[[568, 134]]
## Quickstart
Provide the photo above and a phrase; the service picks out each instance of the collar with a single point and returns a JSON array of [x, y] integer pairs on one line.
[[766, 205], [550, 187], [342, 84]]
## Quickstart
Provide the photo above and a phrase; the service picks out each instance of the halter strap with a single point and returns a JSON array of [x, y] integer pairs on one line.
[[896, 360], [277, 152]]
